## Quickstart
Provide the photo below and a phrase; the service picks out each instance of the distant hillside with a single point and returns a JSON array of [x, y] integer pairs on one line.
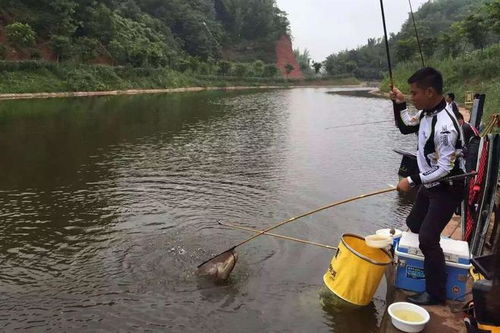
[[446, 28], [140, 33]]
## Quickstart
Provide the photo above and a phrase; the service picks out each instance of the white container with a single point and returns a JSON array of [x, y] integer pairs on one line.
[[408, 326], [378, 241], [387, 232], [454, 250], [410, 273]]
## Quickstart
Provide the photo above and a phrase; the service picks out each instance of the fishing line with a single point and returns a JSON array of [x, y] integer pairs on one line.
[[374, 122], [416, 34], [387, 45]]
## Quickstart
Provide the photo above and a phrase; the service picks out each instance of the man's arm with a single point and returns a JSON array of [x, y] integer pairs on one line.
[[404, 121]]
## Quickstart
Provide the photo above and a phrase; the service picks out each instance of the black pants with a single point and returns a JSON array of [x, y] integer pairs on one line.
[[429, 215]]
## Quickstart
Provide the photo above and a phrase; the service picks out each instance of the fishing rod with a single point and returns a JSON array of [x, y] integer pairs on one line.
[[359, 124], [303, 241], [416, 34], [387, 44], [215, 259]]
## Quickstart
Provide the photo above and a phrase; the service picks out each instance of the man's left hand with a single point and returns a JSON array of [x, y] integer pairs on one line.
[[403, 185]]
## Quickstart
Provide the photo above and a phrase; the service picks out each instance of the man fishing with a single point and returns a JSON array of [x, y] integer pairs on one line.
[[438, 155]]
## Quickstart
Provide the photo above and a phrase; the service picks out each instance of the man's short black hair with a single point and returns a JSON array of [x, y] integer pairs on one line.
[[451, 96], [427, 77]]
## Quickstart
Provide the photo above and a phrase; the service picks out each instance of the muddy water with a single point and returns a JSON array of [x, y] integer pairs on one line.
[[108, 204]]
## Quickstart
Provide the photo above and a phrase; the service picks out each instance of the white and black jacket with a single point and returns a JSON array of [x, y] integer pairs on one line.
[[440, 142]]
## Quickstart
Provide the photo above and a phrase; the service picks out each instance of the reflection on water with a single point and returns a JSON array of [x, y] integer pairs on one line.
[[108, 204], [342, 316]]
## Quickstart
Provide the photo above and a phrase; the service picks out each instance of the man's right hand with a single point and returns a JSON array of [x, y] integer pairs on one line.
[[397, 96]]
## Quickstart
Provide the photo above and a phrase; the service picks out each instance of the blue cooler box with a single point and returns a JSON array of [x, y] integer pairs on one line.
[[410, 265]]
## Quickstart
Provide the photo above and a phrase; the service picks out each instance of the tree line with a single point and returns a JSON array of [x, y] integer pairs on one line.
[[446, 29], [141, 33]]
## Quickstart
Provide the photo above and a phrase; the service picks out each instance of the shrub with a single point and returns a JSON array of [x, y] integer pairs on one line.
[[3, 51], [258, 67], [270, 71], [62, 47], [20, 34], [82, 80], [240, 70], [225, 68], [36, 54]]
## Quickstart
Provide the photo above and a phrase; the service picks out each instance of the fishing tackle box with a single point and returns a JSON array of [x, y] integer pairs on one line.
[[410, 265]]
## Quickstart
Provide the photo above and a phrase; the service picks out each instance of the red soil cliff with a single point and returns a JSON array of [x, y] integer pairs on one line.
[[284, 56]]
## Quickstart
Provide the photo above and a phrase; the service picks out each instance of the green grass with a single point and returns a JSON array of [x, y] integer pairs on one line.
[[39, 76], [478, 72]]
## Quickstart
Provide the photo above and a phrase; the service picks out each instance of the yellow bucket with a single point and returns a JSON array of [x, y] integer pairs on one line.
[[489, 328], [356, 270]]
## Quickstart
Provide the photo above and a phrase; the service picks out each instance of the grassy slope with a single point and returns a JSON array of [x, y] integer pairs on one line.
[[32, 77]]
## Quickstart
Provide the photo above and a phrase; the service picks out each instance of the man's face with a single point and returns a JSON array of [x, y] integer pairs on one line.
[[421, 98], [447, 99]]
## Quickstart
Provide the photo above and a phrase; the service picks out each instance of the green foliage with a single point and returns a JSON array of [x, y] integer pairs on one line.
[[38, 76], [289, 68], [473, 29], [252, 19], [149, 32], [86, 48], [270, 71], [204, 69], [137, 44], [304, 61], [225, 68], [82, 80], [258, 67], [493, 16], [406, 49], [62, 47], [20, 34], [240, 70], [447, 28], [3, 51], [476, 71], [36, 54], [317, 67]]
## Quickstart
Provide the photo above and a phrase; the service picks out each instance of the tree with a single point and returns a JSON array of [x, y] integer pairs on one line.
[[224, 68], [258, 67], [449, 44], [62, 47], [270, 71], [240, 70], [289, 68], [474, 30], [317, 67], [405, 49], [20, 34], [304, 60], [493, 16]]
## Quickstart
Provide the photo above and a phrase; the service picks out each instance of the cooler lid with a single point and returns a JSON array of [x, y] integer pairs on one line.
[[454, 250]]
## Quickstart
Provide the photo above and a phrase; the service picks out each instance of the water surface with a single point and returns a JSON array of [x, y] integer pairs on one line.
[[107, 205]]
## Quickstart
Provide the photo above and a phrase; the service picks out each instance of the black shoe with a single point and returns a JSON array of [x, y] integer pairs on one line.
[[424, 299]]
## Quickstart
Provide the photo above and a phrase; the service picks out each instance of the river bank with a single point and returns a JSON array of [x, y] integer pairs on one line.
[[297, 84], [39, 79]]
